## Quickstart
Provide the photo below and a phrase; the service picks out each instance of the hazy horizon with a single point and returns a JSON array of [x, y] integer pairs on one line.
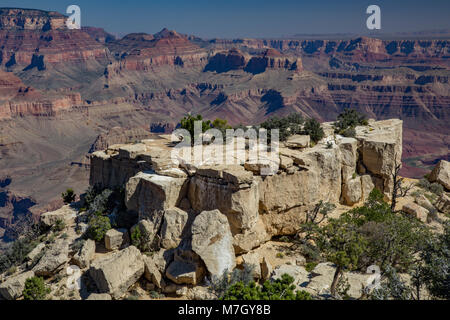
[[250, 18]]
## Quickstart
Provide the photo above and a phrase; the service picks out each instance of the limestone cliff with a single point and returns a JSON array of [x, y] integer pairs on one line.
[[257, 207]]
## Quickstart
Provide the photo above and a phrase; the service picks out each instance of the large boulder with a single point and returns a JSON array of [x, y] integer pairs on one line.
[[253, 260], [297, 141], [250, 239], [351, 191], [349, 154], [53, 259], [174, 224], [163, 258], [35, 253], [380, 147], [116, 272], [116, 239], [12, 288], [151, 194], [367, 186], [213, 242], [181, 272], [415, 210], [152, 272], [322, 277], [299, 274], [187, 266], [85, 255], [441, 174], [63, 214], [231, 190], [443, 204]]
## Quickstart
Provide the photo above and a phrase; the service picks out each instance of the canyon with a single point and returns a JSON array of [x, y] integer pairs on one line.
[[67, 93]]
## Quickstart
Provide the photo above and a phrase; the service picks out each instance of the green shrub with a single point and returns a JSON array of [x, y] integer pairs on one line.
[[16, 254], [11, 270], [59, 225], [98, 226], [347, 121], [188, 123], [287, 126], [424, 184], [68, 196], [35, 289], [310, 266], [436, 188], [314, 130], [280, 289]]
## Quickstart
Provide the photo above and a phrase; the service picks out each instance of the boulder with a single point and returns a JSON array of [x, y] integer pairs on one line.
[[380, 146], [99, 296], [172, 228], [163, 258], [422, 201], [441, 174], [417, 211], [54, 259], [116, 272], [351, 191], [85, 255], [232, 194], [213, 242], [349, 154], [151, 194], [36, 252], [322, 277], [63, 214], [286, 162], [12, 288], [116, 239], [250, 239], [299, 274], [181, 272], [297, 141], [266, 269], [254, 260], [367, 186], [443, 204], [152, 272]]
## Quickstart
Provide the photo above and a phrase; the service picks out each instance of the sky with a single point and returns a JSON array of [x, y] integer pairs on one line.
[[250, 18]]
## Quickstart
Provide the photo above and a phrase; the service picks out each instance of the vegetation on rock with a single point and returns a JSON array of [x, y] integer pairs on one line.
[[68, 196], [347, 121], [98, 226], [35, 289]]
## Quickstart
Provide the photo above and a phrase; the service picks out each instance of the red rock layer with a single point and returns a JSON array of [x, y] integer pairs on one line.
[[16, 99]]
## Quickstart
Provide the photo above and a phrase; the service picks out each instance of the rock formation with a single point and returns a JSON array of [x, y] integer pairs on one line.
[[256, 207]]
